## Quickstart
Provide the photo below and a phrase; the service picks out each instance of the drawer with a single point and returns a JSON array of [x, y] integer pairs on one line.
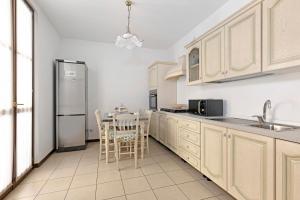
[[192, 160], [189, 147], [190, 136], [190, 125]]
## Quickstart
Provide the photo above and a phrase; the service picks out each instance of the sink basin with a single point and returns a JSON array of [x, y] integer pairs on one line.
[[233, 120], [274, 127]]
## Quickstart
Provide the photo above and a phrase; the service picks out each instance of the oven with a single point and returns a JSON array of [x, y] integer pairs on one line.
[[153, 100]]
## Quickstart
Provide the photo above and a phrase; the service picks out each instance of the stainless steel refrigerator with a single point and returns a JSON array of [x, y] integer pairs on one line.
[[71, 105]]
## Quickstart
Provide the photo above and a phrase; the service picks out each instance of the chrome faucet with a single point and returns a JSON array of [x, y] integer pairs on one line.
[[262, 119]]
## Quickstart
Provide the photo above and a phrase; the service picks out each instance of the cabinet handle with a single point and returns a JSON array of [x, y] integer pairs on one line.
[[187, 147], [229, 136], [225, 135]]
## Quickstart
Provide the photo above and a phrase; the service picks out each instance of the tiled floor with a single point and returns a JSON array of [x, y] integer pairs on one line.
[[81, 176]]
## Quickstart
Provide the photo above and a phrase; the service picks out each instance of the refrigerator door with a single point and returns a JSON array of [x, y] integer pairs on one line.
[[71, 88], [71, 131]]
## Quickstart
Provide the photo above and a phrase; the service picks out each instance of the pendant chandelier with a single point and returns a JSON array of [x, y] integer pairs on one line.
[[128, 40]]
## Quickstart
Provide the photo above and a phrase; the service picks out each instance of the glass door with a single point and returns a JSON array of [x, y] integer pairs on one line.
[[6, 96], [24, 87]]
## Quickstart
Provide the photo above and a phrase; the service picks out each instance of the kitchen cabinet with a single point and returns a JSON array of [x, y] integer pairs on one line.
[[250, 166], [214, 153], [154, 125], [213, 56], [163, 127], [241, 163], [281, 30], [243, 44], [194, 70], [153, 73], [171, 137], [287, 170]]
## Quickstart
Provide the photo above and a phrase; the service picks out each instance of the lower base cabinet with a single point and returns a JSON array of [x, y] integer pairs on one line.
[[154, 125], [239, 162], [287, 170], [250, 166]]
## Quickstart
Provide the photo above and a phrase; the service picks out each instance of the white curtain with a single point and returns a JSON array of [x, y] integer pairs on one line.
[[24, 87], [6, 92]]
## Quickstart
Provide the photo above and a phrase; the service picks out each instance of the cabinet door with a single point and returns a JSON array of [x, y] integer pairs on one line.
[[287, 170], [214, 153], [154, 125], [153, 78], [163, 128], [243, 44], [172, 133], [250, 166], [213, 56], [281, 30], [194, 71]]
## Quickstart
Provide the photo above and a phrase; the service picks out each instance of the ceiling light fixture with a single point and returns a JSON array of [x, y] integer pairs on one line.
[[128, 40]]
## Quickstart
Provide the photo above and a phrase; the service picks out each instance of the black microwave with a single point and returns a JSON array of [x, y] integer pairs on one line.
[[206, 107]]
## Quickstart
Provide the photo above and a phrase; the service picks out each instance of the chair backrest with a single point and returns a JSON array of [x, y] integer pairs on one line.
[[99, 121], [148, 114], [124, 123]]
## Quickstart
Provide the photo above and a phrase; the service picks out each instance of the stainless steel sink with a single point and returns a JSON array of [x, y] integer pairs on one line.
[[233, 120], [274, 127]]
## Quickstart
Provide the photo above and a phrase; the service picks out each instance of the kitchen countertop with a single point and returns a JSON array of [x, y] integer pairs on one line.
[[242, 125]]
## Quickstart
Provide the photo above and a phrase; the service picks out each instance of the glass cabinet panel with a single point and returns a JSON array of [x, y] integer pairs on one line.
[[194, 67]]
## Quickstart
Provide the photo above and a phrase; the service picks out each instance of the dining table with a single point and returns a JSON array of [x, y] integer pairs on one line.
[[107, 120]]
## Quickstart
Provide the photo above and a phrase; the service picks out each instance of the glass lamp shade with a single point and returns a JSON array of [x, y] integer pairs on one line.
[[128, 41]]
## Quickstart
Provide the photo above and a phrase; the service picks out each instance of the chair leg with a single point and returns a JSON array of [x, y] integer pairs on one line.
[[148, 150], [100, 150], [116, 153], [135, 153], [130, 149], [106, 150]]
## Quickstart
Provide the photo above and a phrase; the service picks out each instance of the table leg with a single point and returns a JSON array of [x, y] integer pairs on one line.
[[106, 125]]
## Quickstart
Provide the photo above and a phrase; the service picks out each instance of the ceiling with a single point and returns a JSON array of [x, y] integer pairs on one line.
[[160, 23]]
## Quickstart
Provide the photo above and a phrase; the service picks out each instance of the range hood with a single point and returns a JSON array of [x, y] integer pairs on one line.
[[178, 70]]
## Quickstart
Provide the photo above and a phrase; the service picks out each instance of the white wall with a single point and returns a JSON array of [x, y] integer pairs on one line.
[[115, 75], [242, 98], [46, 48]]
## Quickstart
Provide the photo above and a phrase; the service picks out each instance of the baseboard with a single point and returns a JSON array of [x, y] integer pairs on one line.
[[36, 165], [93, 140]]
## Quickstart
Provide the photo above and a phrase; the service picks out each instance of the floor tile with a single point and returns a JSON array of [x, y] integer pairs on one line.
[[26, 190], [195, 173], [195, 190], [106, 167], [148, 195], [169, 166], [225, 197], [88, 169], [180, 176], [146, 161], [131, 173], [38, 175], [159, 180], [52, 196], [161, 158], [84, 180], [55, 185], [211, 186], [151, 169], [109, 190], [119, 198], [169, 193], [107, 176], [63, 172], [84, 193], [135, 185]]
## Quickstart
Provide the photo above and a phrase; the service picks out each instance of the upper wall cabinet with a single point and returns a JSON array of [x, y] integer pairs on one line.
[[281, 31], [243, 44], [194, 72], [213, 56]]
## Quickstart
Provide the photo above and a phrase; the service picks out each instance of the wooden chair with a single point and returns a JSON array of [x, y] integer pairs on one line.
[[126, 131], [105, 140], [147, 114]]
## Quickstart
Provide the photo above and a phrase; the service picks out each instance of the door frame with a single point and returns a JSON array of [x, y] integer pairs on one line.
[[15, 182]]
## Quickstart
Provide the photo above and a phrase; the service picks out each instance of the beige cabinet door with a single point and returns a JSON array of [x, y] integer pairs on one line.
[[163, 127], [153, 78], [214, 153], [287, 170], [281, 30], [213, 56], [243, 44], [194, 69], [171, 139], [250, 166], [154, 125]]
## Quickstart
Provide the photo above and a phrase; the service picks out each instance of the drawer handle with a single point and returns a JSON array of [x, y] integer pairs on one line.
[[187, 136], [187, 146]]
